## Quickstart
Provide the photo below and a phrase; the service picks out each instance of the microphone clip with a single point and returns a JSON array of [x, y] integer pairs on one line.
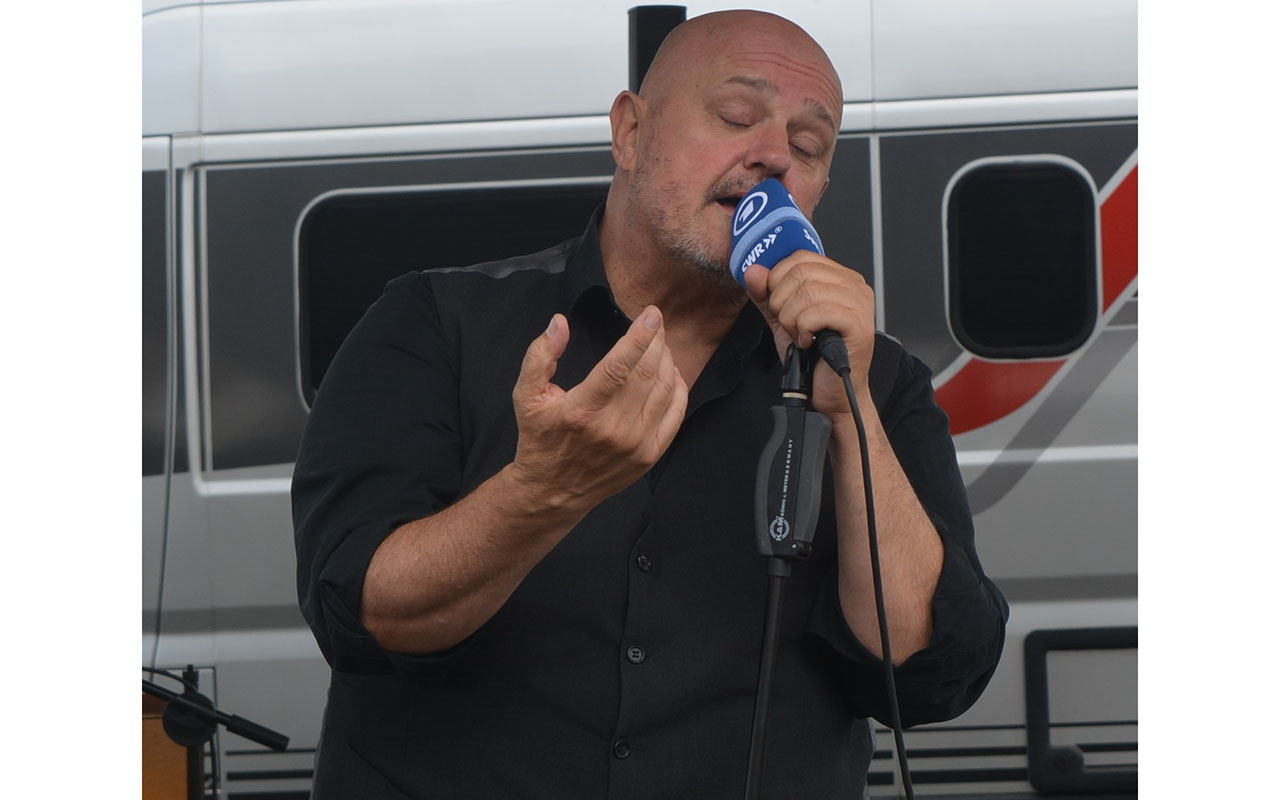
[[797, 373], [789, 475]]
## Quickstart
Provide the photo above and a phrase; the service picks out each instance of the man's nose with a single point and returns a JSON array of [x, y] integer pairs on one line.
[[770, 151]]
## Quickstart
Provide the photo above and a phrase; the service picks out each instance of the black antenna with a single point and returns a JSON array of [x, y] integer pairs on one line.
[[647, 26]]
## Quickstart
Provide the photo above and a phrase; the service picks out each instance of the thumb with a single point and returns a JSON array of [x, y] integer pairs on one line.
[[540, 360], [757, 279]]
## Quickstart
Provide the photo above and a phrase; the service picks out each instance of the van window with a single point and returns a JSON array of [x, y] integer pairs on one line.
[[1022, 260], [351, 245]]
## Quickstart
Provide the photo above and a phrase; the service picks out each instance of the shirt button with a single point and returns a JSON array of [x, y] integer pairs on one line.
[[644, 562], [635, 655], [621, 749]]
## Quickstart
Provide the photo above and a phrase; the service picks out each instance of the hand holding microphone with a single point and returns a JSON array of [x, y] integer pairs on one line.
[[802, 293]]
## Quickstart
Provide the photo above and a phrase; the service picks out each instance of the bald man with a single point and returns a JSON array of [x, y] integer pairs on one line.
[[523, 498]]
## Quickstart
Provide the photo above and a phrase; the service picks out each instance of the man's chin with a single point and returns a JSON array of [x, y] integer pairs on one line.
[[716, 270], [707, 260]]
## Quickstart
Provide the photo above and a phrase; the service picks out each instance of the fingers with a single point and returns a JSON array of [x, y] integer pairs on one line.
[[672, 415], [605, 432], [807, 293], [665, 387], [540, 361], [662, 413], [636, 400], [612, 375]]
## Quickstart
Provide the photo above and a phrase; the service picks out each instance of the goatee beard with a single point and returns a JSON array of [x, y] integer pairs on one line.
[[682, 241], [698, 256]]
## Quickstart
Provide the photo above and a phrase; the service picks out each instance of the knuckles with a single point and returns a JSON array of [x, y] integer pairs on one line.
[[645, 373], [814, 292], [614, 372]]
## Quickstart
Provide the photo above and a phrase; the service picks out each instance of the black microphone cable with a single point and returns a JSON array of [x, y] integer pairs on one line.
[[837, 356]]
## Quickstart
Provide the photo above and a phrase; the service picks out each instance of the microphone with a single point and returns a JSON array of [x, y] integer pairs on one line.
[[768, 226]]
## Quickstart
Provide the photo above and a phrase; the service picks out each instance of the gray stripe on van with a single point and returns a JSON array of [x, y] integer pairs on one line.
[[207, 620], [1127, 315], [1075, 587], [1062, 404]]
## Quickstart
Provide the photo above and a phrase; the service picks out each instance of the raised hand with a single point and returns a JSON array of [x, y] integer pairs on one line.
[[578, 447]]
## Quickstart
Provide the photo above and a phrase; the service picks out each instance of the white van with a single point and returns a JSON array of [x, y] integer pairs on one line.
[[297, 154]]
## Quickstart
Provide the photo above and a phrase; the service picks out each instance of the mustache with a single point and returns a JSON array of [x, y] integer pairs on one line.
[[731, 187]]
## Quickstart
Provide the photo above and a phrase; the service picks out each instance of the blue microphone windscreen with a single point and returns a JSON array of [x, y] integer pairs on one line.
[[767, 227]]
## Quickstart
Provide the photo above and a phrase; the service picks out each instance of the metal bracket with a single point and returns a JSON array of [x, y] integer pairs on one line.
[[1062, 769]]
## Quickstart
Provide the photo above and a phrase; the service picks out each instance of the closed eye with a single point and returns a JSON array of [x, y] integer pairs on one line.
[[808, 145]]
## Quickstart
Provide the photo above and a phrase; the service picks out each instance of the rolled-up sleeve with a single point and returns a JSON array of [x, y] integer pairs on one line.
[[381, 448], [945, 678]]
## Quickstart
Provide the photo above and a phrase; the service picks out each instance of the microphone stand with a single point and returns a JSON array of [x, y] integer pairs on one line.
[[190, 719], [788, 495]]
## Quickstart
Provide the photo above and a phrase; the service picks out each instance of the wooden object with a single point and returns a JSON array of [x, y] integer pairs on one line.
[[164, 761]]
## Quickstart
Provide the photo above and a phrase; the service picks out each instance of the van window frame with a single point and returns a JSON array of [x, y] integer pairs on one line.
[[1092, 266]]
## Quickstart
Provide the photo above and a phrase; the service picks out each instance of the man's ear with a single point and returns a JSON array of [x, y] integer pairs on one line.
[[624, 118]]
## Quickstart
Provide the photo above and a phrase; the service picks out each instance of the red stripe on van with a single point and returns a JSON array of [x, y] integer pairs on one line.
[[984, 391], [1119, 221]]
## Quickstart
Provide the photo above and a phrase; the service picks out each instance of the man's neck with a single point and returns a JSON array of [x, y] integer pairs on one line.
[[697, 310], [641, 273]]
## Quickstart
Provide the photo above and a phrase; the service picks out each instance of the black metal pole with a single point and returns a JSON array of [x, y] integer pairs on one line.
[[232, 722], [647, 26], [779, 571], [195, 753]]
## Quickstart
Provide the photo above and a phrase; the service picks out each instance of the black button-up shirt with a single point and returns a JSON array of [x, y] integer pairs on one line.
[[624, 665]]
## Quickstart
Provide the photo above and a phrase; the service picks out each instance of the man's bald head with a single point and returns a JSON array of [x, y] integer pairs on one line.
[[730, 99], [693, 43]]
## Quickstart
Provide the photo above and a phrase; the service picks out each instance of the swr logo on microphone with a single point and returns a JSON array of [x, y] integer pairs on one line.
[[749, 211]]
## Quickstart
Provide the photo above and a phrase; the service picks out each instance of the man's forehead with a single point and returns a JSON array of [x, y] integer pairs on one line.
[[765, 86]]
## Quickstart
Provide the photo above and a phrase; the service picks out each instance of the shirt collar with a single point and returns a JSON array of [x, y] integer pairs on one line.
[[585, 276], [585, 270]]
